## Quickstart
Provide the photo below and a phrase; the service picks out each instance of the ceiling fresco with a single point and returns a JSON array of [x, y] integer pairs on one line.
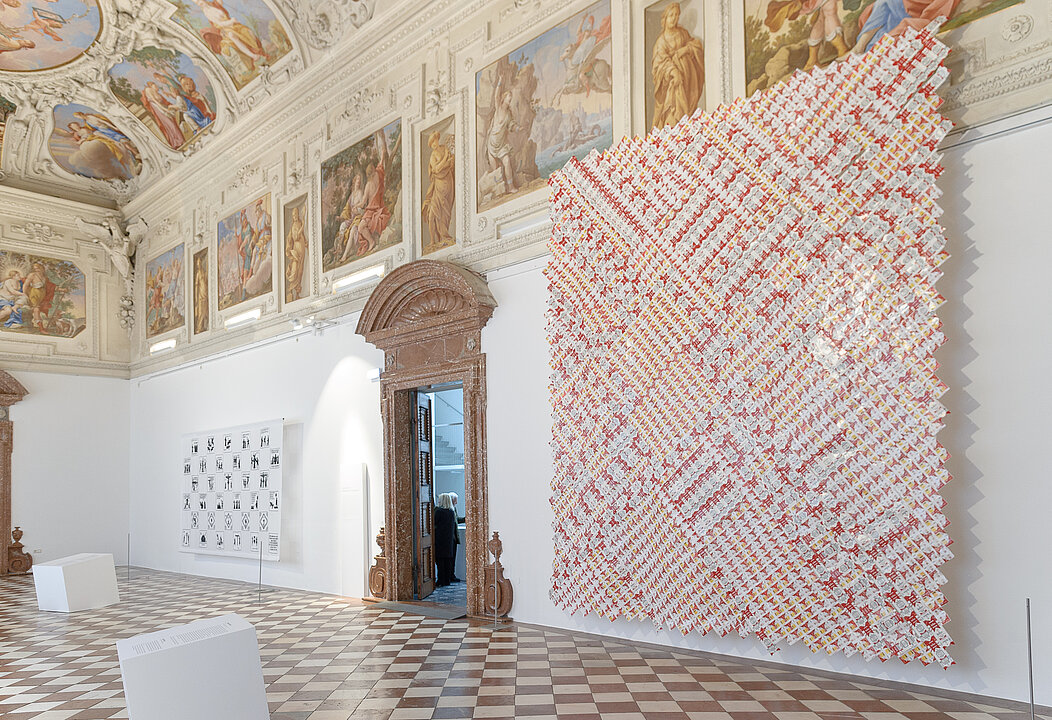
[[101, 98], [167, 92], [244, 35], [41, 37], [87, 143]]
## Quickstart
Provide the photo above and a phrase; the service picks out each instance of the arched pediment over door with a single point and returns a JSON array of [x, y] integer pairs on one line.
[[432, 309], [427, 317]]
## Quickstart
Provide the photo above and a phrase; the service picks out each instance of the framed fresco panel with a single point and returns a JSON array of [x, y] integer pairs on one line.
[[438, 182], [201, 291], [361, 198], [167, 92], [297, 250], [782, 36], [165, 297], [87, 143], [543, 103], [674, 54], [245, 253], [244, 35], [44, 35], [41, 295]]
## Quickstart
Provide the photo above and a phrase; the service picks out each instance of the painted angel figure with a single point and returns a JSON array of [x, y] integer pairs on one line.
[[46, 22], [11, 40]]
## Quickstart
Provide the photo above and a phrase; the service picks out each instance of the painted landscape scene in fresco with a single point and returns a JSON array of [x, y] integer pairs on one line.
[[361, 198], [47, 33], [246, 254], [543, 103], [167, 92], [87, 143], [243, 34], [165, 294], [782, 36], [41, 295]]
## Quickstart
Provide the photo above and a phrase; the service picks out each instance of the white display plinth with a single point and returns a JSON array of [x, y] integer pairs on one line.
[[78, 582], [207, 670]]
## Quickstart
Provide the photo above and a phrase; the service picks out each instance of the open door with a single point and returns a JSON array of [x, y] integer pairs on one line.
[[423, 507]]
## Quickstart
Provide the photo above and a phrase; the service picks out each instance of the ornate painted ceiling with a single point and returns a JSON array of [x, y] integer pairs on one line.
[[101, 98]]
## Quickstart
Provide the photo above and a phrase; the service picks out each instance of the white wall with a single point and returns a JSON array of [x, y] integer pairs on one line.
[[70, 465], [318, 384], [996, 363]]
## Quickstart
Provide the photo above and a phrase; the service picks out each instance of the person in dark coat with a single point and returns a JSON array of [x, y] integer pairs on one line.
[[460, 519], [445, 539]]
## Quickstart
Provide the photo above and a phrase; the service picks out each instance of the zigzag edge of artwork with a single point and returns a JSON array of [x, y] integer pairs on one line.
[[742, 327]]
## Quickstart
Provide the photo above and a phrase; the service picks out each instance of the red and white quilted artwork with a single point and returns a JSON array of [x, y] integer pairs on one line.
[[743, 325]]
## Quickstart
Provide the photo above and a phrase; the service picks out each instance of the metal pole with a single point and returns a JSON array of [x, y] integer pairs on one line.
[[128, 569], [1030, 658], [259, 590]]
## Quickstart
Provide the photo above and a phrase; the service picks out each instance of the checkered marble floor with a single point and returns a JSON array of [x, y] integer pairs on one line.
[[332, 658], [452, 594]]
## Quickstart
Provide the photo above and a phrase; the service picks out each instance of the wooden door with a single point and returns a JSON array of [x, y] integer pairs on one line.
[[425, 501]]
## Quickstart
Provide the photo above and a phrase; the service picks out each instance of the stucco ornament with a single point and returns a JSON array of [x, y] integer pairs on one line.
[[120, 245]]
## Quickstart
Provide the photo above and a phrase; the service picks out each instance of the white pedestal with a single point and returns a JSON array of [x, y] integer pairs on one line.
[[207, 670], [78, 582]]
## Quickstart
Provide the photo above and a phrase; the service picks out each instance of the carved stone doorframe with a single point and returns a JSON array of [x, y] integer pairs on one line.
[[11, 391], [427, 317]]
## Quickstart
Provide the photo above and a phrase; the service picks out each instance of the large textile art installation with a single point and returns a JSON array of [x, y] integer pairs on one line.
[[742, 325]]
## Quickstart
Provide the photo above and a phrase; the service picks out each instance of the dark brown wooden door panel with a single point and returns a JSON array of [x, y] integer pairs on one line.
[[425, 558]]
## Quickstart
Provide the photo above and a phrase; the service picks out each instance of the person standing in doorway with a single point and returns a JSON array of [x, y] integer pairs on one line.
[[446, 539], [453, 497]]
